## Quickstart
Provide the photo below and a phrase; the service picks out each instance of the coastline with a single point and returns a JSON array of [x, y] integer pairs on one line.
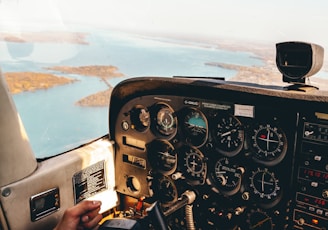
[[92, 70], [45, 36], [18, 82]]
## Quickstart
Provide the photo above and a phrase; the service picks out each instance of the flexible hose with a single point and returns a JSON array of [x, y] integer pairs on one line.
[[189, 217]]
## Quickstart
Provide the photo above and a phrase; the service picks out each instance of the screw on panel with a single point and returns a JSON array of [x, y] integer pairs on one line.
[[6, 192]]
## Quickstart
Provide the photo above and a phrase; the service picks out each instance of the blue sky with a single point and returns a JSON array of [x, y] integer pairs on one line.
[[277, 20]]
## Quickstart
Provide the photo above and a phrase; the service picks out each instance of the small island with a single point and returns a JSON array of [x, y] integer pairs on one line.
[[19, 82], [99, 99], [92, 70]]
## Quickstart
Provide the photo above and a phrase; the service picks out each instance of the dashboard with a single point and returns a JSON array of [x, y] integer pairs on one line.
[[255, 156]]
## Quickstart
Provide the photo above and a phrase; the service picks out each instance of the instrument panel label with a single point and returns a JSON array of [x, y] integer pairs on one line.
[[89, 181], [244, 110]]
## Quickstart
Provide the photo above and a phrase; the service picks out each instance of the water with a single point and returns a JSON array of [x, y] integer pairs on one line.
[[52, 120]]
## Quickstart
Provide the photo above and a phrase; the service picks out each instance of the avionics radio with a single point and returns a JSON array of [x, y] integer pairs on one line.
[[311, 209]]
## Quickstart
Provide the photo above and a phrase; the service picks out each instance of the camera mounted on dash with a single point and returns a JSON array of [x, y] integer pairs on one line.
[[297, 61]]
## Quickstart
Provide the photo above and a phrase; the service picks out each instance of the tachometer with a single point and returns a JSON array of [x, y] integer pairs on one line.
[[228, 135], [196, 127], [269, 144]]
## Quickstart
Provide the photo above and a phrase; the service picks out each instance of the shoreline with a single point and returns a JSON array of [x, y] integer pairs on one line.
[[18, 82], [45, 37]]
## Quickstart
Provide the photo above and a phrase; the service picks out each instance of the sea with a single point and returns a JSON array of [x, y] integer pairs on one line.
[[53, 121]]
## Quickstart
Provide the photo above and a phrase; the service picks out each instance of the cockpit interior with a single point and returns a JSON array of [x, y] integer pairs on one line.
[[187, 153], [186, 141]]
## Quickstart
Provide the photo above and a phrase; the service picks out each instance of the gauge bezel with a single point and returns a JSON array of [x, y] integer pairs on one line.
[[160, 193], [194, 135], [157, 163], [233, 168], [135, 118], [262, 156], [226, 124], [265, 200], [193, 177], [260, 223], [159, 128]]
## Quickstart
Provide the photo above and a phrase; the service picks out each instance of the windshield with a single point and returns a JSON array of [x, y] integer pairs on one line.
[[61, 58]]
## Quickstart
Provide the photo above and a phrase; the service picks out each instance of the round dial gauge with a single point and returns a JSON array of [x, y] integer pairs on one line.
[[269, 144], [165, 190], [165, 120], [196, 127], [227, 176], [264, 184], [195, 166], [229, 135], [140, 118], [162, 156], [259, 220]]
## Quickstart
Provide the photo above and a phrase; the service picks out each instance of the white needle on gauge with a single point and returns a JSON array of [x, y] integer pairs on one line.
[[263, 182]]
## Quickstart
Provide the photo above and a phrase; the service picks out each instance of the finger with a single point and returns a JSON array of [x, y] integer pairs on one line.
[[90, 215], [85, 206], [93, 222]]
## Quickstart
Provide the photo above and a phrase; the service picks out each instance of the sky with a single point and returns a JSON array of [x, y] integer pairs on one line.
[[277, 20]]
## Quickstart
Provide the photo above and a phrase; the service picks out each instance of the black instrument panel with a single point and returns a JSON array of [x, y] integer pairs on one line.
[[240, 152]]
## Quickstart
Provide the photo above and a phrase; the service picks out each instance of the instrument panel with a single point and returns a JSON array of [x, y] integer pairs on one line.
[[238, 151]]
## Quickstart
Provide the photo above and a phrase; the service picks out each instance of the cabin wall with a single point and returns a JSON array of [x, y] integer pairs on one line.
[[58, 172]]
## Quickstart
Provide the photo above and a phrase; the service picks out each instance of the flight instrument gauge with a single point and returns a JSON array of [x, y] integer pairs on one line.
[[227, 176], [166, 121], [162, 156], [195, 127], [269, 144], [259, 220], [265, 185], [228, 135], [140, 118], [195, 167], [165, 190]]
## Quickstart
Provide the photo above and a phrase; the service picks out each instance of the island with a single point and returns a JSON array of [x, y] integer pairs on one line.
[[92, 70], [266, 74], [99, 99], [19, 82]]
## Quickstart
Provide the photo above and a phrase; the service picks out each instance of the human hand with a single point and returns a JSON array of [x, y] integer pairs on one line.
[[84, 215]]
